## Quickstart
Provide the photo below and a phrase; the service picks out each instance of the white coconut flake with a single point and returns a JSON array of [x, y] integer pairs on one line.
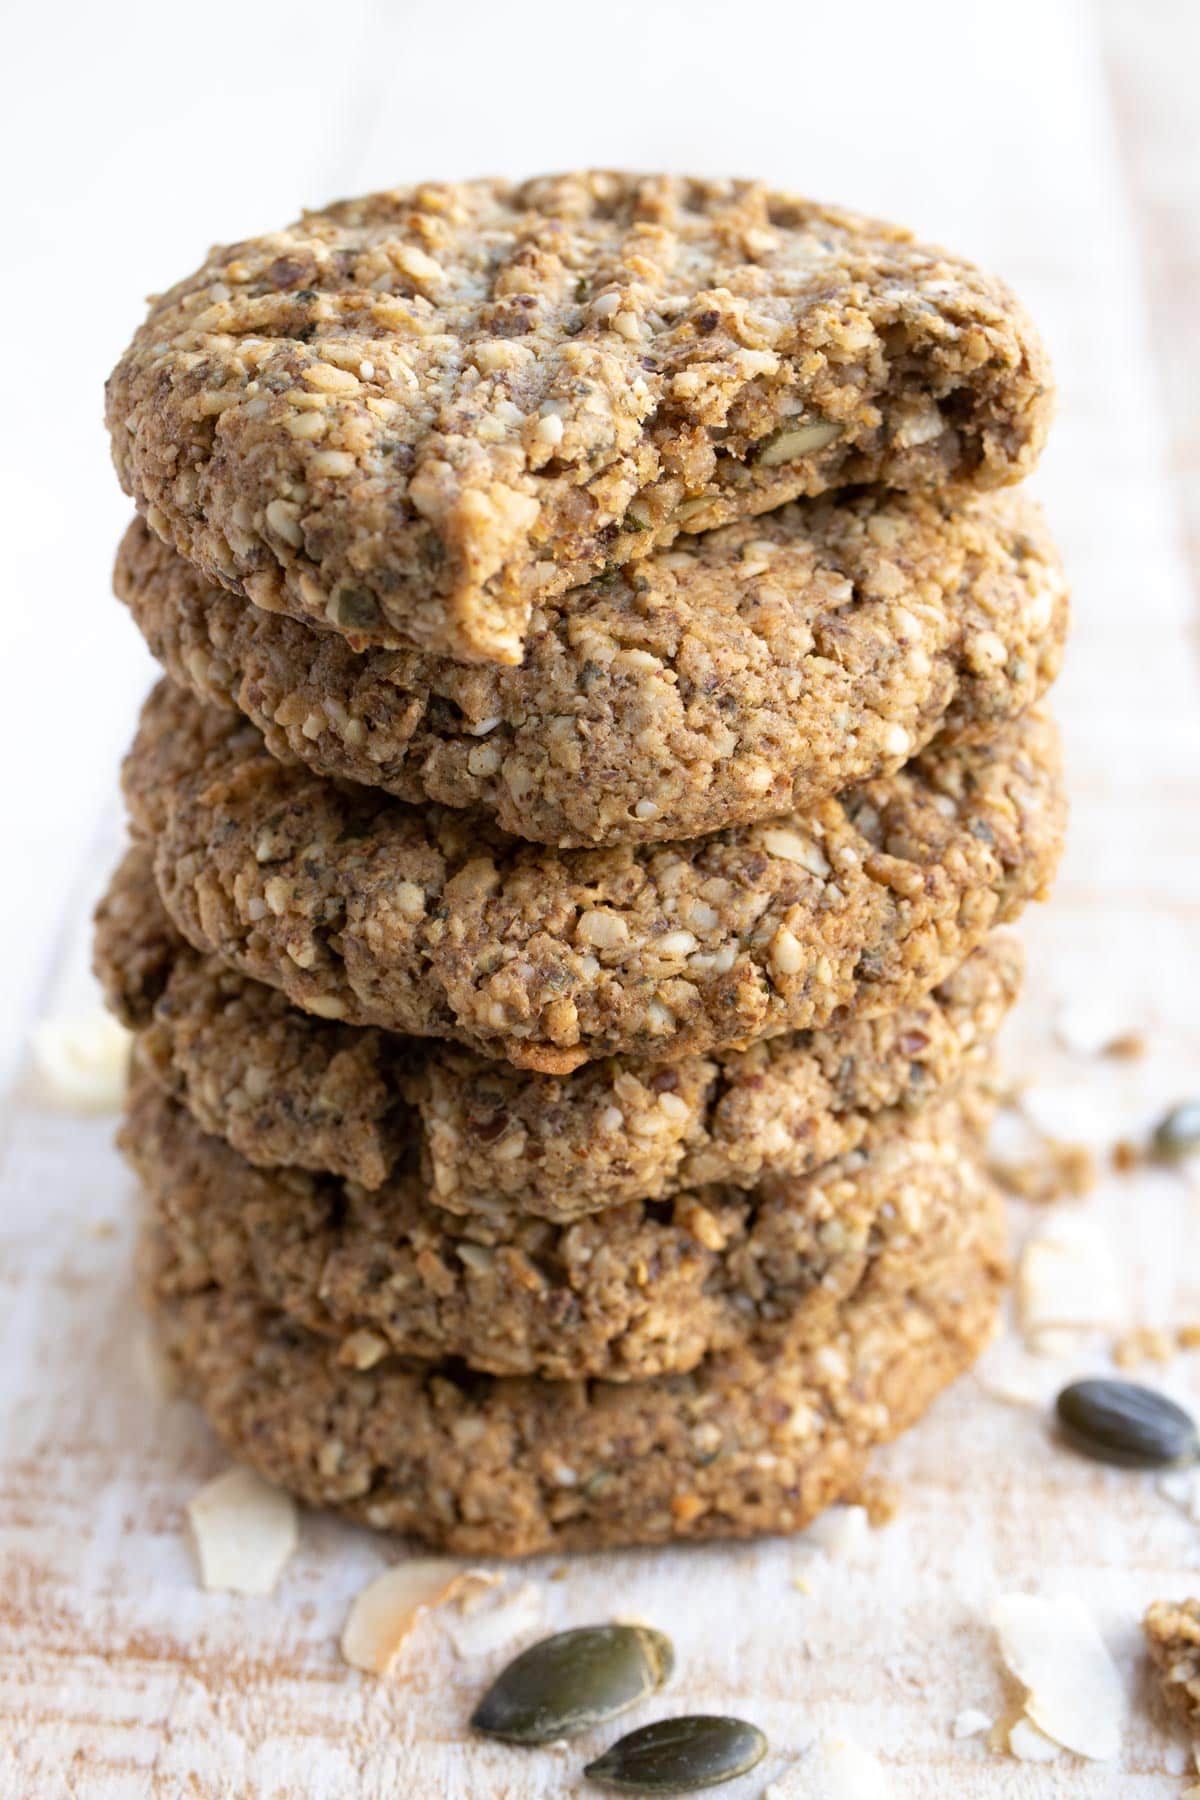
[[493, 1620], [389, 1607], [83, 1061], [1028, 1744], [1068, 1282], [1054, 1650], [244, 1532], [970, 1722], [842, 1532], [833, 1769]]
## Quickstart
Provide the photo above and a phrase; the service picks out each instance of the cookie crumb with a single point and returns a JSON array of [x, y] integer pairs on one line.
[[1172, 1632]]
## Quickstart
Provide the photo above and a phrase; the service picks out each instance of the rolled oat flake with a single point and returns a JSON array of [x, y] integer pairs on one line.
[[675, 1756], [568, 1683], [1123, 1423]]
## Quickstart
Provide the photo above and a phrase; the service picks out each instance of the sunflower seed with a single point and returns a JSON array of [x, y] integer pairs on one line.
[[798, 440], [1123, 1423], [567, 1683], [678, 1755], [1177, 1135]]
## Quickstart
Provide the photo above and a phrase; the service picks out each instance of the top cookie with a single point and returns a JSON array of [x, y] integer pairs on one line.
[[412, 416]]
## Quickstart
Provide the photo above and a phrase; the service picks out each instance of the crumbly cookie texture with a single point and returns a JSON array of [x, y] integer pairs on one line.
[[285, 1088], [750, 1441], [638, 1291], [1172, 1633], [432, 922], [413, 416], [741, 674]]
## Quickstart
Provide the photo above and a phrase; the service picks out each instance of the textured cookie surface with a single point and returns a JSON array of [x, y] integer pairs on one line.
[[411, 416], [741, 674], [285, 1088], [637, 1291], [748, 1442], [431, 922]]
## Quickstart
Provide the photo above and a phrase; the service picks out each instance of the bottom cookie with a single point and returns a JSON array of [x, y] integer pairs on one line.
[[748, 1442]]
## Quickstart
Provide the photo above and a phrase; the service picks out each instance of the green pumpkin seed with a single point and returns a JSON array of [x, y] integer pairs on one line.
[[1178, 1134], [1120, 1422], [674, 1756], [571, 1682]]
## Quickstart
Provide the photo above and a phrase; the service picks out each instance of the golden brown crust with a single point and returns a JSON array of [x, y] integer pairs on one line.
[[635, 1292], [747, 1442], [413, 416], [433, 923], [744, 673], [288, 1089]]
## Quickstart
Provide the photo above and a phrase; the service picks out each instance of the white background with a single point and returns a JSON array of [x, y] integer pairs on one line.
[[136, 134]]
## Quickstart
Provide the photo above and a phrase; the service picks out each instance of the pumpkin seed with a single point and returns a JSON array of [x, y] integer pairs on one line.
[[1123, 1423], [567, 1683], [678, 1755], [1178, 1134]]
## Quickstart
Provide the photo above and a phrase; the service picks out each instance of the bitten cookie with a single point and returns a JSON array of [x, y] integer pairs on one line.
[[285, 1088], [741, 674], [412, 417], [638, 1291], [431, 922], [750, 1441]]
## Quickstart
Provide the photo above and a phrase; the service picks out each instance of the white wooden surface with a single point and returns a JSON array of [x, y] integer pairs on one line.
[[138, 134]]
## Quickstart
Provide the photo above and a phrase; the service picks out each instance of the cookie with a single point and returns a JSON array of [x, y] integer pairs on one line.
[[412, 417], [751, 1441], [638, 1291], [285, 1088], [743, 673], [430, 921]]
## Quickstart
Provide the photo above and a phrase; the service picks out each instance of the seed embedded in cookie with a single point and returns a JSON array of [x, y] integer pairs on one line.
[[431, 922], [628, 1294], [285, 1088], [410, 418], [740, 674], [510, 1466]]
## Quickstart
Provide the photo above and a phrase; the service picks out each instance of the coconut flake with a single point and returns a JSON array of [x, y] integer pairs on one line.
[[484, 1624], [244, 1532], [1028, 1744], [387, 1609], [1068, 1283], [843, 1532], [833, 1769], [970, 1722], [1054, 1650], [84, 1061]]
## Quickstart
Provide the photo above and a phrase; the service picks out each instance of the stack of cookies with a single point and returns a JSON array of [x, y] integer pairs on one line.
[[601, 734]]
